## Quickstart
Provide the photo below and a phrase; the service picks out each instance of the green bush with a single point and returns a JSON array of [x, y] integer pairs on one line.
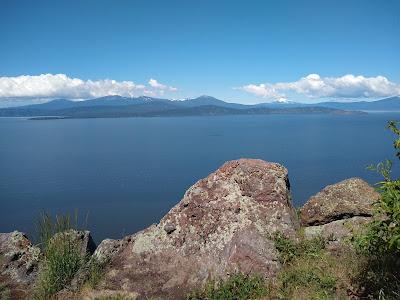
[[287, 248], [383, 234], [237, 287], [62, 259], [379, 275]]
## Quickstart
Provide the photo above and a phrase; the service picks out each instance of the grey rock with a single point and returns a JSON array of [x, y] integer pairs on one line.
[[169, 228], [337, 230]]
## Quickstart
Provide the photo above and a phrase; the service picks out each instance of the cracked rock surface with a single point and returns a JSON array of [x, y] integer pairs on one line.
[[221, 226]]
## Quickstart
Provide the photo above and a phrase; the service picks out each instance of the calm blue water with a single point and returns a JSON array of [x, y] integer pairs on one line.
[[127, 173]]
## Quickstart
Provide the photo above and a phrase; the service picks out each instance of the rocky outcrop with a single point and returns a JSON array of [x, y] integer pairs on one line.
[[224, 224], [348, 198], [18, 263], [221, 226], [339, 211]]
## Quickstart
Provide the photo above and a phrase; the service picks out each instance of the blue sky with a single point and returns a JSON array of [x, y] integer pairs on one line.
[[233, 50]]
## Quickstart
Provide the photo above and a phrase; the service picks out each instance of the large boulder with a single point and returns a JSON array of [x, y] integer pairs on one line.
[[348, 198], [221, 226], [18, 264]]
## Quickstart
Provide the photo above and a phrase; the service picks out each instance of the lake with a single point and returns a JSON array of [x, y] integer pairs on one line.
[[127, 173]]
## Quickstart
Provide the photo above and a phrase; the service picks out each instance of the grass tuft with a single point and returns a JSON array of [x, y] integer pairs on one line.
[[95, 272], [114, 297], [289, 249], [237, 287], [306, 277], [308, 271], [62, 258]]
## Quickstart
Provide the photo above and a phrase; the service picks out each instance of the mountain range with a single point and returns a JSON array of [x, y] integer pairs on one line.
[[117, 106]]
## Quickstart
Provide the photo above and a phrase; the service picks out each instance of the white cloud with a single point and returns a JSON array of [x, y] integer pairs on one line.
[[62, 86], [315, 86], [263, 90], [162, 87]]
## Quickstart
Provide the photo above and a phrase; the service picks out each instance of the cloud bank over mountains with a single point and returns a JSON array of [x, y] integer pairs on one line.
[[62, 86], [315, 86]]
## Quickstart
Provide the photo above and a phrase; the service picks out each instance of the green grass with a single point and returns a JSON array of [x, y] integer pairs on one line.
[[62, 259], [117, 297], [5, 292], [237, 287], [95, 272], [307, 278], [289, 249], [308, 271], [114, 297]]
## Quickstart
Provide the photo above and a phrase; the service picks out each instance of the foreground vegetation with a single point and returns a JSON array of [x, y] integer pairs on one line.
[[62, 256]]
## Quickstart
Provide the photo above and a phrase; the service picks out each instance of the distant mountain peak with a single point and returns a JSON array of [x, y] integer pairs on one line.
[[205, 97], [110, 97], [283, 101]]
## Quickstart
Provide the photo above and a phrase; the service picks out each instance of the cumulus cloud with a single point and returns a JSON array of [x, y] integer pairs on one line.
[[62, 86], [315, 86], [162, 87], [263, 90]]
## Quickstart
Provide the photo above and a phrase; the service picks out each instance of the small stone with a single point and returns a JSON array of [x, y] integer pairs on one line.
[[169, 228]]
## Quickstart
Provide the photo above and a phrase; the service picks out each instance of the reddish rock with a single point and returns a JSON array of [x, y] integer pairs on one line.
[[221, 226], [346, 199]]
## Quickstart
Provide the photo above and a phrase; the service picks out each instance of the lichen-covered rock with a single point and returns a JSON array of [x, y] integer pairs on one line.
[[109, 248], [18, 263], [221, 226], [337, 230], [346, 199], [81, 239]]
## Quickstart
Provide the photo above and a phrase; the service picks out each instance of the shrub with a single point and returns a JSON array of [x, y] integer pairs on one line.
[[287, 248], [379, 275], [239, 286], [61, 260], [383, 234]]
